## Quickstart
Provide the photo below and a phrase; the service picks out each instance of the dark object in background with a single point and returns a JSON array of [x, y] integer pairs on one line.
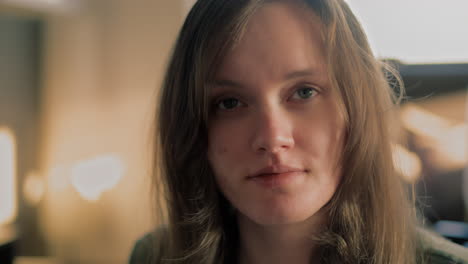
[[423, 80], [7, 252], [428, 80], [8, 242], [20, 64], [455, 231], [440, 196]]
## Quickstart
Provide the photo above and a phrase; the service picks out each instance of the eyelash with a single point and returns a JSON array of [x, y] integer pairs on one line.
[[217, 103]]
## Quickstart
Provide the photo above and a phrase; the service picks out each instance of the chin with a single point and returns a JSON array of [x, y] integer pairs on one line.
[[281, 215]]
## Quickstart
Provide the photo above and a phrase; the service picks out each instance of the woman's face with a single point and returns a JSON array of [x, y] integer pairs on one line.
[[275, 132]]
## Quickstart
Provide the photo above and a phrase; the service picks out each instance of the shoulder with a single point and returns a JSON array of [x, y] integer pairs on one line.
[[438, 250], [149, 248]]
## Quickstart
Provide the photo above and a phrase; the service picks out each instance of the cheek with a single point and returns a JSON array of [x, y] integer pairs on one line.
[[318, 134], [224, 162], [219, 149], [224, 147], [320, 139]]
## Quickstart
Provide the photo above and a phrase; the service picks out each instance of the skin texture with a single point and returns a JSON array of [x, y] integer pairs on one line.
[[273, 109]]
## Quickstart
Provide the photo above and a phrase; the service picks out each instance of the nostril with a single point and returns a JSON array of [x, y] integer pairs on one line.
[[273, 144], [262, 149]]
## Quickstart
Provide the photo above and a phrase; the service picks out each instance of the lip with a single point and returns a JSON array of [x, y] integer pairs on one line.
[[278, 176], [274, 169]]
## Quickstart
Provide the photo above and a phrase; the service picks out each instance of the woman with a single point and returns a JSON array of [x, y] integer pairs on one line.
[[274, 142]]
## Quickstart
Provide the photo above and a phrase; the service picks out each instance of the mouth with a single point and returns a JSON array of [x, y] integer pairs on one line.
[[275, 170], [278, 176]]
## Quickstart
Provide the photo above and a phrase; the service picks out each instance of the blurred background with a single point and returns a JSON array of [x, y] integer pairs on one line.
[[78, 83]]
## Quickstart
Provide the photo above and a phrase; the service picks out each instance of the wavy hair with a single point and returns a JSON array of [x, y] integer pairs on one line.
[[371, 218]]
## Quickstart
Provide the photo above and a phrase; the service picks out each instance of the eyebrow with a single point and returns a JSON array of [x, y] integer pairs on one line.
[[227, 83], [286, 77], [301, 73]]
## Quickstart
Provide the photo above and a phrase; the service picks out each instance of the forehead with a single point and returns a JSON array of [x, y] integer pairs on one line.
[[280, 38]]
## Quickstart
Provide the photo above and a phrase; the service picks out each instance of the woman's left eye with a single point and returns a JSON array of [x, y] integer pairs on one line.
[[304, 93]]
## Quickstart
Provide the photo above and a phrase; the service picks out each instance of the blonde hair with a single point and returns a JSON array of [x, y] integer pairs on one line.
[[371, 220]]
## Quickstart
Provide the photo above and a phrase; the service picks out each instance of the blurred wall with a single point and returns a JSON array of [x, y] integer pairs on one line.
[[102, 67], [418, 31]]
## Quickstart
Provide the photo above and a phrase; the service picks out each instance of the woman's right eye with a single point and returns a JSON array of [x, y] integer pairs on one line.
[[228, 104]]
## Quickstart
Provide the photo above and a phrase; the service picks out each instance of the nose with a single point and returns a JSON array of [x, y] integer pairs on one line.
[[273, 132]]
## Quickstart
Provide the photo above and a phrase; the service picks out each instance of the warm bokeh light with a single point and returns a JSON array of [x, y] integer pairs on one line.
[[33, 188], [94, 176], [407, 163], [423, 123], [446, 140], [58, 180], [8, 205], [453, 147]]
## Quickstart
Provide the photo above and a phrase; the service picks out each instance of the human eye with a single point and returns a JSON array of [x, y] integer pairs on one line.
[[304, 93], [228, 104]]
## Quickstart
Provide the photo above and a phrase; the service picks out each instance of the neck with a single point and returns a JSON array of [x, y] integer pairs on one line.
[[286, 243]]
